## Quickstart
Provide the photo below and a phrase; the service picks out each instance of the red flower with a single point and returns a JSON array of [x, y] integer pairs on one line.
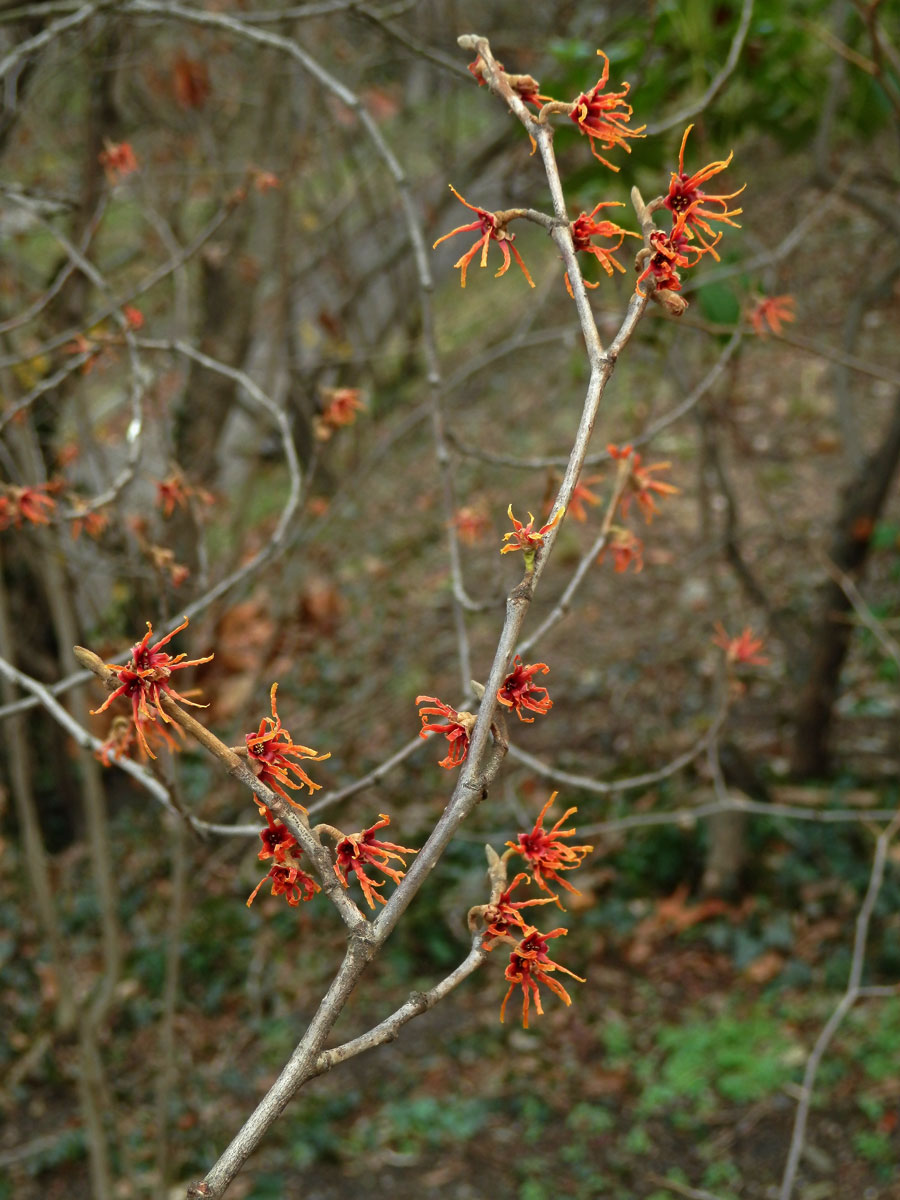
[[669, 252], [356, 849], [626, 549], [341, 407], [18, 504], [641, 484], [288, 879], [741, 649], [546, 855], [175, 490], [519, 692], [134, 318], [505, 914], [692, 208], [603, 118], [531, 965], [771, 311], [525, 538], [145, 677], [118, 160], [493, 228], [584, 228], [457, 731], [271, 749]]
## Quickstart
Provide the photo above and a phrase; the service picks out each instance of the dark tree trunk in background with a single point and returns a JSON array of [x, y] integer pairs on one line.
[[863, 500]]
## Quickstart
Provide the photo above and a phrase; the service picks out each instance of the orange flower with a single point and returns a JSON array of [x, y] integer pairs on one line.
[[771, 311], [145, 677], [531, 965], [741, 649], [603, 118], [641, 484], [518, 692], [175, 490], [504, 915], [340, 408], [584, 228], [692, 209], [492, 227], [134, 318], [546, 855], [117, 159], [91, 523], [356, 849], [457, 731], [288, 879], [626, 549], [526, 538], [669, 251], [271, 749]]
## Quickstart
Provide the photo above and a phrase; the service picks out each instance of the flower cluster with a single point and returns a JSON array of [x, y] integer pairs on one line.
[[288, 879], [146, 677], [518, 692], [18, 504], [355, 851], [692, 235], [492, 227], [271, 751], [457, 729], [502, 919]]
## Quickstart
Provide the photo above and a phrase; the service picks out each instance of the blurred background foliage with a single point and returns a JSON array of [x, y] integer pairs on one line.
[[678, 1062]]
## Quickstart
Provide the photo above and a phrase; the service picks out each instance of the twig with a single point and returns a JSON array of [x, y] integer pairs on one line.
[[388, 1030], [849, 998]]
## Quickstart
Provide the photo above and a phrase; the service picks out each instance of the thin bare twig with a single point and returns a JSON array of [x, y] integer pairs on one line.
[[846, 1002]]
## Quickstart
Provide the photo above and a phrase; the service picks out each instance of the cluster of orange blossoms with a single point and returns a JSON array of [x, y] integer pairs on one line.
[[517, 692], [692, 234], [641, 486], [604, 118], [530, 964]]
